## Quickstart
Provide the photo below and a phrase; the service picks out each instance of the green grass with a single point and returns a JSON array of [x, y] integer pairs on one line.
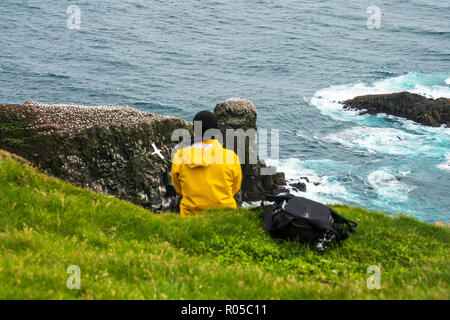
[[126, 252]]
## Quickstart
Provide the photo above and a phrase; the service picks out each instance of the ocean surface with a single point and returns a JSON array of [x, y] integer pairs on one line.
[[294, 59]]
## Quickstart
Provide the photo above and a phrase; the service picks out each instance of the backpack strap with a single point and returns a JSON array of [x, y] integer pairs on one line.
[[267, 216], [278, 197], [351, 224]]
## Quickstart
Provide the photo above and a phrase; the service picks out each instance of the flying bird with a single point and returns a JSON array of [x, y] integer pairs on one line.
[[157, 151]]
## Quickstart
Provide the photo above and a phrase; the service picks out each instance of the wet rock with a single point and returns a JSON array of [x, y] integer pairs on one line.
[[426, 111], [305, 178], [299, 186]]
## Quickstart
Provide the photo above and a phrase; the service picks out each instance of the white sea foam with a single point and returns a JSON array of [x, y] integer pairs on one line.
[[321, 188], [405, 137], [388, 186], [399, 138], [445, 165], [388, 141], [447, 81]]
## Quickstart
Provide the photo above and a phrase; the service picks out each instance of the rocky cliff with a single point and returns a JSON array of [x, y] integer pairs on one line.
[[236, 114], [111, 149], [427, 111]]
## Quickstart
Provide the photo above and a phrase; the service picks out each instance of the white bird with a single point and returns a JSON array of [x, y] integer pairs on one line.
[[157, 151], [404, 173]]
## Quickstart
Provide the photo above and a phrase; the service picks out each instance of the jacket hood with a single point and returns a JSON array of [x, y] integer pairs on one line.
[[201, 154]]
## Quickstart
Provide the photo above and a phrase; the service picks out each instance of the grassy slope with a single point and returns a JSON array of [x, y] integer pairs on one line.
[[126, 252]]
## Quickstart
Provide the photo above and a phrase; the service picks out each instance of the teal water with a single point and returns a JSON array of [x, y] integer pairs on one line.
[[294, 59]]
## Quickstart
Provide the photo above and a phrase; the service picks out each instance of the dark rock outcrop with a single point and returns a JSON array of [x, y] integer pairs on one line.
[[110, 149], [236, 114], [426, 111], [299, 186]]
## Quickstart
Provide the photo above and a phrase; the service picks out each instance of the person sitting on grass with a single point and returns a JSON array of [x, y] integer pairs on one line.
[[205, 174]]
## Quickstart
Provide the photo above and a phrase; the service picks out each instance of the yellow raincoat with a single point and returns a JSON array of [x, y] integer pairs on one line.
[[207, 176]]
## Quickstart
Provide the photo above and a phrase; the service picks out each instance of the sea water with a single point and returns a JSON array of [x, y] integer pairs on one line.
[[296, 60]]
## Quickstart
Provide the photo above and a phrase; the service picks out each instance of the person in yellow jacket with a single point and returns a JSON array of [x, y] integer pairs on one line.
[[205, 174]]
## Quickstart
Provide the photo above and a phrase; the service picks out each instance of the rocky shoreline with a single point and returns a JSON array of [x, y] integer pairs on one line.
[[423, 110], [109, 149]]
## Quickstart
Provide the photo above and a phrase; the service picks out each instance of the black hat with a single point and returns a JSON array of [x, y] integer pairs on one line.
[[208, 120]]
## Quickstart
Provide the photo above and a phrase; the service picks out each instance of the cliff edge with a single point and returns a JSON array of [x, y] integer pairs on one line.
[[111, 149]]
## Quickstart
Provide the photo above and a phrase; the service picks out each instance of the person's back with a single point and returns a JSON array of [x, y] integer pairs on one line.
[[206, 175]]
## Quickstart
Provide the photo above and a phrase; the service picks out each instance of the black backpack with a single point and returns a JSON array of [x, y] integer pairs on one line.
[[297, 218]]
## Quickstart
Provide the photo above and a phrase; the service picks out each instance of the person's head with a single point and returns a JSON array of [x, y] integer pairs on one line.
[[207, 119]]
